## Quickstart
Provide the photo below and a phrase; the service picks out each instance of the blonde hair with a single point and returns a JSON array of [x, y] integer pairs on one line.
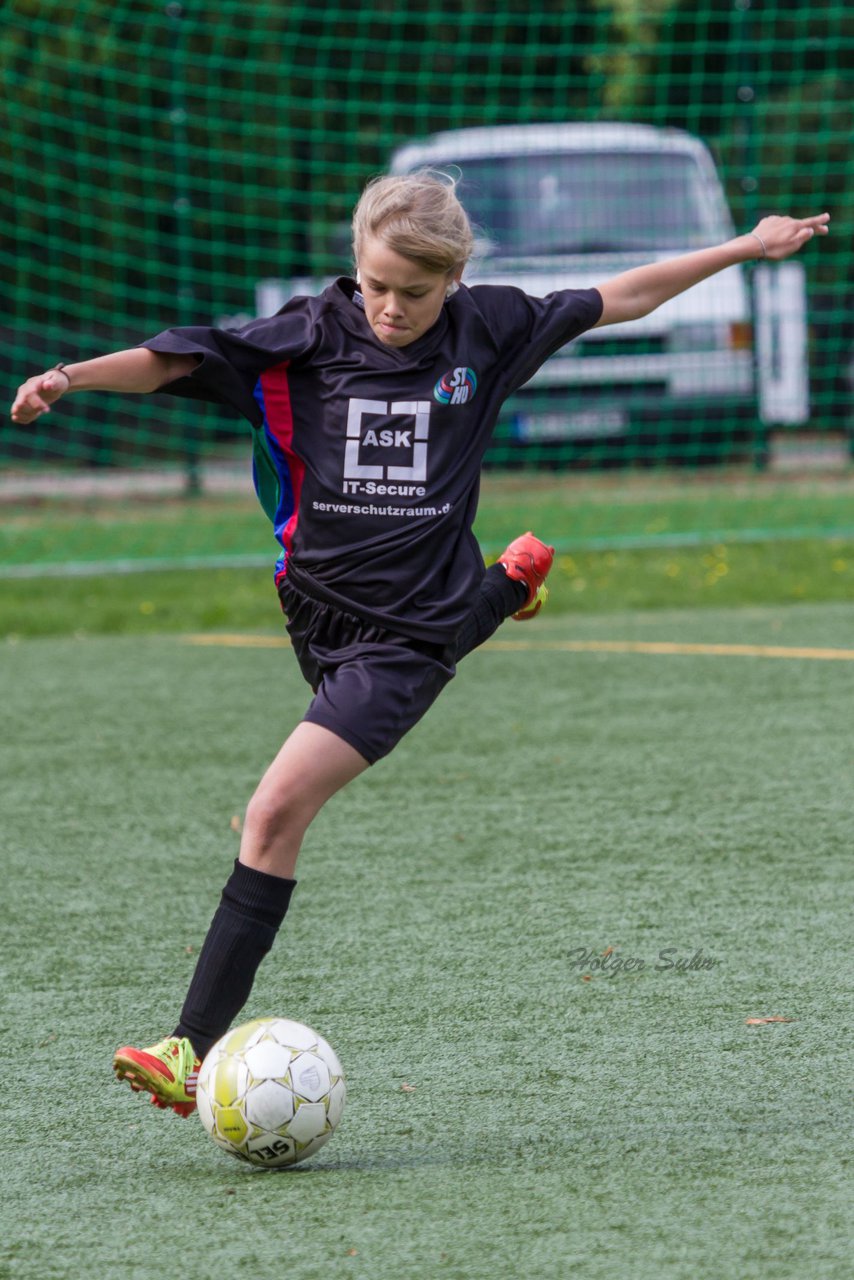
[[419, 216]]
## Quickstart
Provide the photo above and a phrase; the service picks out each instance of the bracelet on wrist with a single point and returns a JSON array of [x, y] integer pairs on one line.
[[60, 368], [762, 244]]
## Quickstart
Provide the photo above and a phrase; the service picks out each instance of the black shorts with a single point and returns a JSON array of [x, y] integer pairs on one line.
[[370, 685]]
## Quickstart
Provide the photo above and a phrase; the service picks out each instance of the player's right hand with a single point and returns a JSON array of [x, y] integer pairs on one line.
[[36, 395]]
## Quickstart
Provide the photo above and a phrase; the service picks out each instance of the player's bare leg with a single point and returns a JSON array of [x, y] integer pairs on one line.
[[312, 765]]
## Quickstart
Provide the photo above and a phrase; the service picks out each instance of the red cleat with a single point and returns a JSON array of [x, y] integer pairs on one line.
[[528, 560], [166, 1070]]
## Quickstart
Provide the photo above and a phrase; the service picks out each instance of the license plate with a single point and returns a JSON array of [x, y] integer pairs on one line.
[[571, 425]]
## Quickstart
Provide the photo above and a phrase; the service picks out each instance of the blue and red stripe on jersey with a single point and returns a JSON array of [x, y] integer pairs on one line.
[[274, 443]]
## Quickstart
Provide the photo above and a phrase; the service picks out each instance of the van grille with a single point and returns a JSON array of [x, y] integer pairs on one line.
[[645, 345]]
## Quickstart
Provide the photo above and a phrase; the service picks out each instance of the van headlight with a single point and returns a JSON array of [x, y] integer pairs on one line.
[[712, 335]]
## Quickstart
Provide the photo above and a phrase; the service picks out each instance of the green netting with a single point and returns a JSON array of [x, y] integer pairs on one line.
[[192, 163]]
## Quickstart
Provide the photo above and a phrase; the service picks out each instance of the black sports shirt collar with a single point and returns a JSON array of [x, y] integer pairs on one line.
[[344, 294]]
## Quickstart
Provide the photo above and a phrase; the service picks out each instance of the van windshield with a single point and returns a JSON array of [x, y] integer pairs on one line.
[[589, 202]]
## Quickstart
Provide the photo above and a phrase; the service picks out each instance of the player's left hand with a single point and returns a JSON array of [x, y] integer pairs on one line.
[[785, 236]]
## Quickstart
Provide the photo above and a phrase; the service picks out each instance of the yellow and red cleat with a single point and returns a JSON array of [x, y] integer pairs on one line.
[[167, 1070], [528, 560]]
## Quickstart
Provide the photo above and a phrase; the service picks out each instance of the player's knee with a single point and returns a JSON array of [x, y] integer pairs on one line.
[[272, 813]]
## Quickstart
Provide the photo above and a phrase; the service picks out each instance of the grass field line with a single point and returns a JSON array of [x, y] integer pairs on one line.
[[666, 648], [144, 564], [687, 540]]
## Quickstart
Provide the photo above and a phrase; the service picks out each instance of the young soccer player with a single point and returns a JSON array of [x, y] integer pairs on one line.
[[371, 407]]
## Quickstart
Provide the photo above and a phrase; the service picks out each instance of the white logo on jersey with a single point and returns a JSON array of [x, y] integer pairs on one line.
[[414, 438]]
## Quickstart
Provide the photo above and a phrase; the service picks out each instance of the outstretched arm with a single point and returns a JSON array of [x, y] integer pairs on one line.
[[135, 370], [635, 293]]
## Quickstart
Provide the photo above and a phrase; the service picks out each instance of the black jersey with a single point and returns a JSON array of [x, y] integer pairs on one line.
[[367, 457]]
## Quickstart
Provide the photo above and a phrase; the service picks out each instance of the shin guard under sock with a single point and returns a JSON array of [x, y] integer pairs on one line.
[[243, 930], [499, 596]]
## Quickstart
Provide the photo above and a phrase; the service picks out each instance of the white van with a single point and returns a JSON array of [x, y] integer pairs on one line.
[[568, 205]]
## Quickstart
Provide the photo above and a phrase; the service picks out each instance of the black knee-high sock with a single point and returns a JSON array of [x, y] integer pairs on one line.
[[243, 930], [499, 597]]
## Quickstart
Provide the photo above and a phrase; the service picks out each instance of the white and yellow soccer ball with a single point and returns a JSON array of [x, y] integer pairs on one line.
[[271, 1092]]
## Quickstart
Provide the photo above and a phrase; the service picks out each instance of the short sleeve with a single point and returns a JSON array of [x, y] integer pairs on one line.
[[528, 330], [232, 360]]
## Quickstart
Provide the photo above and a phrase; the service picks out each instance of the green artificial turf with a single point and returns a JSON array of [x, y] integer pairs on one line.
[[557, 1122], [575, 511], [584, 582], [627, 541]]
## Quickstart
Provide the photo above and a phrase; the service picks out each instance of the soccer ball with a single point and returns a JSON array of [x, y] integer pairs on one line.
[[271, 1092]]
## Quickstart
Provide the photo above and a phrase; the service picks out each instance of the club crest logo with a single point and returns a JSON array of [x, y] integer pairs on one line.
[[457, 386]]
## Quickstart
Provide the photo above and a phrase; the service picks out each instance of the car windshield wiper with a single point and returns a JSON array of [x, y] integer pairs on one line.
[[537, 253], [584, 246]]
